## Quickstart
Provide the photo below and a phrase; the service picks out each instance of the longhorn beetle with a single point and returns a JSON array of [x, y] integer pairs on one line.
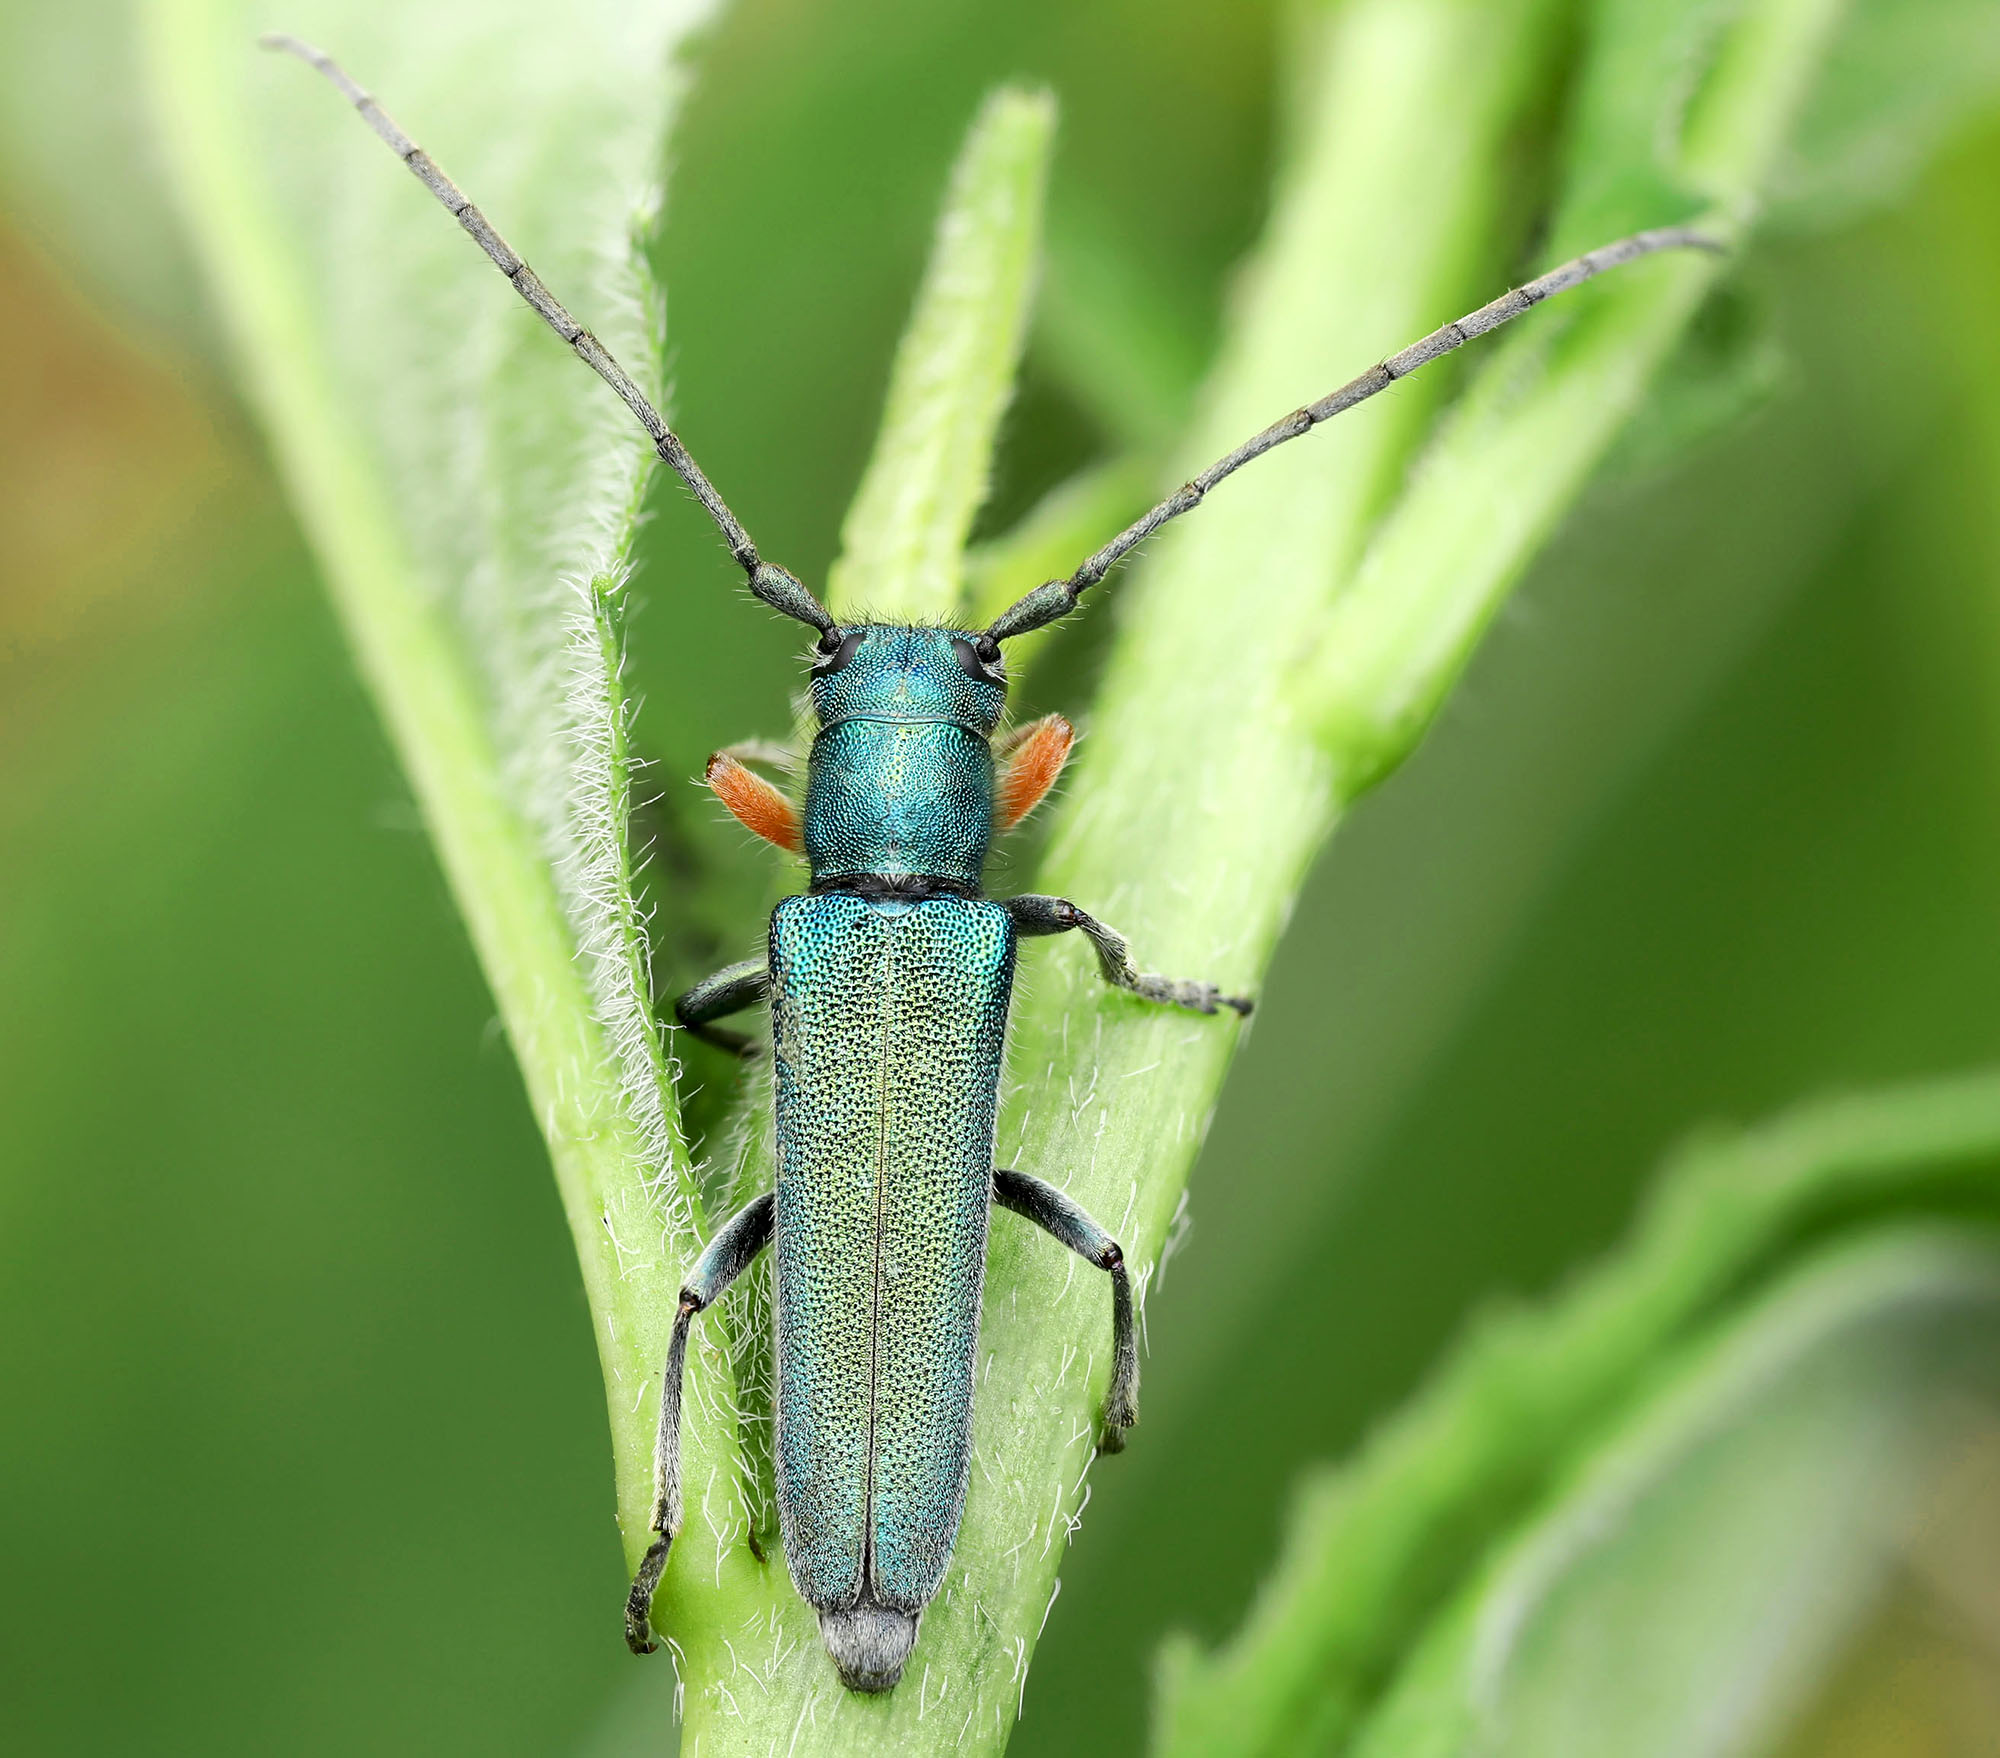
[[889, 983]]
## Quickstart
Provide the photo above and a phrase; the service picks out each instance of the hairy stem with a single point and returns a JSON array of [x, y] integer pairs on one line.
[[382, 360], [903, 545]]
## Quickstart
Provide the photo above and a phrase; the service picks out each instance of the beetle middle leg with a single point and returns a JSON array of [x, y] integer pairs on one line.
[[727, 1257], [1068, 1224], [1035, 913], [730, 990]]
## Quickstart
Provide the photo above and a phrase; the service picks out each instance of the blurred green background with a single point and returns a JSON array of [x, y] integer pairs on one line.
[[301, 1433]]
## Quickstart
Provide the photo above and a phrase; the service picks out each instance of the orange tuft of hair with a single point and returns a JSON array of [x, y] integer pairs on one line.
[[757, 804], [1033, 760]]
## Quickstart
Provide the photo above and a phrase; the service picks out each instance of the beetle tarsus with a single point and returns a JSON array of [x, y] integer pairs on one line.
[[639, 1635]]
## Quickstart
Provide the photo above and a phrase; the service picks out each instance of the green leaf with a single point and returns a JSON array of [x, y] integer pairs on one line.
[[1692, 1579], [1550, 399], [1729, 363], [1375, 1549], [1901, 78], [472, 492], [903, 543]]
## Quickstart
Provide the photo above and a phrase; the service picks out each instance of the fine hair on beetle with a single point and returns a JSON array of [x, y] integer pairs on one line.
[[889, 982]]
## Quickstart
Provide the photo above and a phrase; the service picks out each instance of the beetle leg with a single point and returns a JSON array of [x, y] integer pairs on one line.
[[730, 990], [728, 1255], [1068, 1224], [1037, 914]]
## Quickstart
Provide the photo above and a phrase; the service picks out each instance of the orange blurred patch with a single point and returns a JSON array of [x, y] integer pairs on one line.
[[758, 804], [1029, 768]]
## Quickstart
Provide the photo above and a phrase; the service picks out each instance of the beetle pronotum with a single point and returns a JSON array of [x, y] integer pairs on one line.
[[889, 983]]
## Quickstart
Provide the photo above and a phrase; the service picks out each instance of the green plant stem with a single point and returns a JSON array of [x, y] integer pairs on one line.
[[903, 543], [1541, 415]]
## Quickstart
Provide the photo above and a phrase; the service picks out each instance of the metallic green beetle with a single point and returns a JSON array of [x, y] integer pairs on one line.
[[889, 984]]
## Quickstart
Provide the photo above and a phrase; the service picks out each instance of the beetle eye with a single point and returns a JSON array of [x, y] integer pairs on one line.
[[980, 659], [834, 651]]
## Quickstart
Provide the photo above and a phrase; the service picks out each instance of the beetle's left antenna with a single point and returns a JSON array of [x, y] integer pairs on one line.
[[779, 589]]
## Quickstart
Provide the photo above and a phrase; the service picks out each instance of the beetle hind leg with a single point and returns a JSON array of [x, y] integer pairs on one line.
[[1068, 1224], [728, 1255]]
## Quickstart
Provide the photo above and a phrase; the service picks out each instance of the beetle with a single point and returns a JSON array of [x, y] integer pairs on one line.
[[889, 982]]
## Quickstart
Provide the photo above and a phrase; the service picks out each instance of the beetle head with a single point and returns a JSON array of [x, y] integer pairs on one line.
[[890, 671]]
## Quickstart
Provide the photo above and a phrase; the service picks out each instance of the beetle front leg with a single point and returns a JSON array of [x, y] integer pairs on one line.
[[1037, 914], [728, 1255], [730, 990], [1065, 1222]]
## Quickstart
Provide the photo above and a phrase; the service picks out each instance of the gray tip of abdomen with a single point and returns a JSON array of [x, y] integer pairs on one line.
[[869, 1644]]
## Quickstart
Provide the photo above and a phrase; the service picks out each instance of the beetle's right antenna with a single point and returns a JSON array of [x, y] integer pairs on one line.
[[779, 589], [1059, 597]]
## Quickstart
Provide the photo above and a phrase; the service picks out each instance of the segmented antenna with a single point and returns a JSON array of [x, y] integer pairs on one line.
[[1058, 598], [774, 585]]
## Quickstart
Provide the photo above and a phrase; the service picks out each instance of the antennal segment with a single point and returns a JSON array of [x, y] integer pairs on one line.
[[1058, 598], [774, 585]]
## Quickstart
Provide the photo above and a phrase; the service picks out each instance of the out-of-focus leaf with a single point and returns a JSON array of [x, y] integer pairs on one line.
[[1679, 110], [472, 491], [1622, 137], [1901, 78], [1683, 1591], [81, 165], [1898, 77], [1729, 363], [1376, 1549]]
